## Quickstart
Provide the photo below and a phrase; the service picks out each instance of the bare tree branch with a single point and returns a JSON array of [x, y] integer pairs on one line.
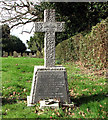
[[18, 12]]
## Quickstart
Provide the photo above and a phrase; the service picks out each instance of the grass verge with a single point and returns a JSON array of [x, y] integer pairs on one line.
[[87, 92]]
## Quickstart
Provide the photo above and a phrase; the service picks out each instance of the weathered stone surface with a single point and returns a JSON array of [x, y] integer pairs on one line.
[[49, 83], [19, 54], [49, 26], [5, 54], [24, 54], [15, 54], [10, 54], [34, 56], [51, 103], [30, 54]]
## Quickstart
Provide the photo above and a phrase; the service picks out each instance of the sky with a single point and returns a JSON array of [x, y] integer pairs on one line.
[[23, 36]]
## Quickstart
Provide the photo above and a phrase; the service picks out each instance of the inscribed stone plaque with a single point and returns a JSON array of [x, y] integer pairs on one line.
[[50, 84]]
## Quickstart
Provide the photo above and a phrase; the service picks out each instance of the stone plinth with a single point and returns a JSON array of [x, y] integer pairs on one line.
[[49, 103], [49, 83]]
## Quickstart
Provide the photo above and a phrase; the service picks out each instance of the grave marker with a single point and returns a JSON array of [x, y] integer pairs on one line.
[[10, 54], [5, 54], [49, 26], [49, 81], [19, 54], [24, 54], [30, 54], [15, 54]]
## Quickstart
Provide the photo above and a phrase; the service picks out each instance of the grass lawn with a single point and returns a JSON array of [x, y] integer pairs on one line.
[[87, 92]]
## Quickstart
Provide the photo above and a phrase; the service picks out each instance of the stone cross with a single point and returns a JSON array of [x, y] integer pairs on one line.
[[49, 26]]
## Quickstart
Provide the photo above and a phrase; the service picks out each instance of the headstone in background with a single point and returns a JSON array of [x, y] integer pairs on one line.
[[24, 54], [38, 54], [5, 54], [49, 81], [15, 54], [0, 52], [30, 54], [10, 54], [19, 54], [34, 56]]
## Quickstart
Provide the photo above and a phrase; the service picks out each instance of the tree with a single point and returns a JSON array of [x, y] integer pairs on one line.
[[11, 43], [36, 42], [78, 17], [5, 38], [19, 12], [16, 44]]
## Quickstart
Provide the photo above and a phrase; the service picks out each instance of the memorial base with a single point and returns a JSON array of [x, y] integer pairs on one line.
[[49, 83]]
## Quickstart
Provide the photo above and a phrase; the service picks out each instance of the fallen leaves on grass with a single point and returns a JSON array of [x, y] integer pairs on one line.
[[63, 111], [85, 89], [14, 93], [72, 93], [51, 117], [88, 110], [82, 113], [100, 105], [94, 89], [73, 114], [40, 113], [58, 114], [25, 90], [29, 81], [53, 114]]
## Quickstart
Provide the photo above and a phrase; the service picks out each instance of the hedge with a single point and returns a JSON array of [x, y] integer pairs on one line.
[[90, 49]]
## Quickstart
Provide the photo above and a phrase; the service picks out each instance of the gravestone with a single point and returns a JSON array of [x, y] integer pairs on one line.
[[10, 54], [30, 54], [19, 54], [24, 54], [34, 56], [15, 54], [49, 81], [5, 54]]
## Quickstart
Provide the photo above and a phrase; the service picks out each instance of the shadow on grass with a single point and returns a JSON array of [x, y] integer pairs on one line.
[[86, 99], [78, 101], [11, 101]]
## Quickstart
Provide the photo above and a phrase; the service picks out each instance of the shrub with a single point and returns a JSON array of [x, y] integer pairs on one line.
[[91, 49]]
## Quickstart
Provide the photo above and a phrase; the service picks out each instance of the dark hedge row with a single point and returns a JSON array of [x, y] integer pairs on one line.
[[90, 49]]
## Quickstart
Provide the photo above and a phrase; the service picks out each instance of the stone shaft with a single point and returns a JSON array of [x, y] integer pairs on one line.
[[49, 49]]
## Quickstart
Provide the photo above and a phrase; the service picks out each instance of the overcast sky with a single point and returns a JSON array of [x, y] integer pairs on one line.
[[25, 36]]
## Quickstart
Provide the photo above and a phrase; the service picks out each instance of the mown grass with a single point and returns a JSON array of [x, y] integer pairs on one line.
[[87, 92]]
